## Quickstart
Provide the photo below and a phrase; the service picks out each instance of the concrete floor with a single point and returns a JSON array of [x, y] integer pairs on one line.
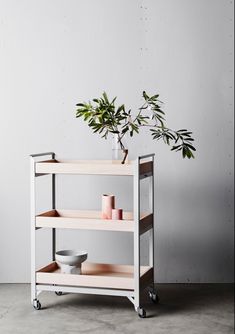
[[191, 308]]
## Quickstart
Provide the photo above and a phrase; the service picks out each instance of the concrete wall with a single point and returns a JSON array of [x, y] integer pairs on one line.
[[54, 53]]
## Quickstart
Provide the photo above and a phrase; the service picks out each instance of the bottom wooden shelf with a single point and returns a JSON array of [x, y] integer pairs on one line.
[[97, 275]]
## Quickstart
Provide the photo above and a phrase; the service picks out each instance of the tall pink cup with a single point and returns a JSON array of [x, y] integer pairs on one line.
[[108, 203]]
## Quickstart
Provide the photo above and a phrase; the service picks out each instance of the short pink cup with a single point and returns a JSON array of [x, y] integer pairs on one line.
[[117, 214], [108, 203]]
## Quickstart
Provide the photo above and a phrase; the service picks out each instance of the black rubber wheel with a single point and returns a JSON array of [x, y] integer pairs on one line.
[[58, 293], [141, 313], [37, 305], [154, 297]]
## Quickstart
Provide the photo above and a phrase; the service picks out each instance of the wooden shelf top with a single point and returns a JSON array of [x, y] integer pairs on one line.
[[91, 220], [92, 167]]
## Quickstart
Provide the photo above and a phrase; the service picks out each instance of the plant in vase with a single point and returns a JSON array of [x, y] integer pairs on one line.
[[105, 118]]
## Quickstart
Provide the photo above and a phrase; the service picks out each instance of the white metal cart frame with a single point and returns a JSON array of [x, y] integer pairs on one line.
[[132, 294]]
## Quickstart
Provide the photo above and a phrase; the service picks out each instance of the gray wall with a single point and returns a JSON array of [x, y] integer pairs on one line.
[[53, 53]]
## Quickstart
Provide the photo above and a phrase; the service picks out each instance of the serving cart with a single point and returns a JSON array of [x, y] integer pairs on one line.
[[96, 278]]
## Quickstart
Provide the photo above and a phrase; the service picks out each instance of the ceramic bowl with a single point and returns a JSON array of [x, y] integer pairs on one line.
[[70, 260]]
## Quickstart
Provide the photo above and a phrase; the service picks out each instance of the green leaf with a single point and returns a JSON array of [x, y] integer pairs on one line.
[[105, 97], [114, 100], [192, 148], [154, 97], [146, 97], [175, 147], [187, 133], [189, 139], [114, 131]]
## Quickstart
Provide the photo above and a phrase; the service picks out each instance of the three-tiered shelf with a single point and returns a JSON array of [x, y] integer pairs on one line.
[[96, 278]]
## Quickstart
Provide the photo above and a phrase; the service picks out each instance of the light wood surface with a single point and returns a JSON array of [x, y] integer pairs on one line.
[[94, 275], [91, 167], [91, 220]]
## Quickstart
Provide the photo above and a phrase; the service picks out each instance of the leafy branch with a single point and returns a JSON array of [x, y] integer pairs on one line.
[[103, 117]]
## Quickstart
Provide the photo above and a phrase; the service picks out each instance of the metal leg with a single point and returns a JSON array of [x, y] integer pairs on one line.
[[33, 235], [53, 207], [152, 292], [58, 293], [136, 237], [151, 209], [34, 294]]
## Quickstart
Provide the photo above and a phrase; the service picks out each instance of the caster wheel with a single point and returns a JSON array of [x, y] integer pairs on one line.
[[141, 312], [154, 297], [58, 293], [37, 305]]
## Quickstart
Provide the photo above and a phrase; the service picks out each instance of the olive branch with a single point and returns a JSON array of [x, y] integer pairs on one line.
[[104, 117]]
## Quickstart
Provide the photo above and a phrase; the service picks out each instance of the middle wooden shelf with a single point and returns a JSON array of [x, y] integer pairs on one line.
[[91, 220]]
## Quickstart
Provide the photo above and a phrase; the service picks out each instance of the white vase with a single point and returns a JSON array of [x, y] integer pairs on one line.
[[119, 150]]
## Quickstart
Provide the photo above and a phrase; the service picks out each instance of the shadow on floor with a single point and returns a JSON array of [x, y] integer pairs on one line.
[[174, 298]]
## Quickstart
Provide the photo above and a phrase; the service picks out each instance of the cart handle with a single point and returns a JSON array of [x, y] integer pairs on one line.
[[147, 156], [41, 154]]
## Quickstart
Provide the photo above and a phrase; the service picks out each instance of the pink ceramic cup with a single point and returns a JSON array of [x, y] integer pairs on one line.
[[108, 203], [117, 214]]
